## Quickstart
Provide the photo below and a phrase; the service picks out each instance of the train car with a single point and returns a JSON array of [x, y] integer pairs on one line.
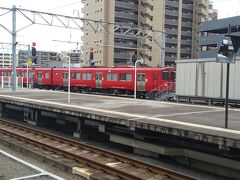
[[43, 78], [25, 76], [107, 80], [113, 80], [81, 79], [21, 77], [5, 76]]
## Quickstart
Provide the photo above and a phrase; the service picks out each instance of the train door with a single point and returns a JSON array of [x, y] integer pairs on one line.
[[65, 79], [98, 80], [40, 76], [155, 80], [141, 81]]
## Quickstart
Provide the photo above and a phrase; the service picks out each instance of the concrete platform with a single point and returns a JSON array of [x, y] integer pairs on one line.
[[204, 123]]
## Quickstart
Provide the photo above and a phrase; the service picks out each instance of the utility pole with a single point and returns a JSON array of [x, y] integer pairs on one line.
[[14, 44]]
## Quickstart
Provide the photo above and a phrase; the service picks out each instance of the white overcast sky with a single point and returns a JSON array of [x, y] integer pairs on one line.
[[44, 35]]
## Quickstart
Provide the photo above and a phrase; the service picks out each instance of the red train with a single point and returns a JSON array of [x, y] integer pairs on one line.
[[109, 80]]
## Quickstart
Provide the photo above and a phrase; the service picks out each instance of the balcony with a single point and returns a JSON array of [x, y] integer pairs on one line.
[[147, 53], [127, 16], [146, 11], [187, 33], [186, 42], [187, 16], [128, 24], [186, 51], [124, 45], [171, 22], [146, 21], [171, 41], [171, 13], [171, 50], [126, 5], [149, 2], [187, 6], [146, 41], [172, 31], [172, 4], [187, 24], [126, 37], [121, 55]]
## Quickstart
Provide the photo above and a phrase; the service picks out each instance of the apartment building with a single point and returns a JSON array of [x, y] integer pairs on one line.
[[50, 58], [212, 13], [180, 19], [6, 59], [182, 24]]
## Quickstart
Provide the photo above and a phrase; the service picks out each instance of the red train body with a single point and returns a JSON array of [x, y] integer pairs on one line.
[[110, 80]]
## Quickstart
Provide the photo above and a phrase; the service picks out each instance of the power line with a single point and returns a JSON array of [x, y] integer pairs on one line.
[[65, 5]]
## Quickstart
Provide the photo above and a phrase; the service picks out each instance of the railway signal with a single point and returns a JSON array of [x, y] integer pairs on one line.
[[34, 53], [91, 61]]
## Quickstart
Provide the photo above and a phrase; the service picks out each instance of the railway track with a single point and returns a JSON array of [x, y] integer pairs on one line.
[[105, 161]]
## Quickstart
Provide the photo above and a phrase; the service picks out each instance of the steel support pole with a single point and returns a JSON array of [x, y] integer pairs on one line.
[[135, 77], [14, 44], [27, 75], [227, 86], [227, 95], [69, 78]]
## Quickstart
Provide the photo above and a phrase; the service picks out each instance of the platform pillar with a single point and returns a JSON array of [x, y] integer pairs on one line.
[[77, 133], [2, 110], [31, 116]]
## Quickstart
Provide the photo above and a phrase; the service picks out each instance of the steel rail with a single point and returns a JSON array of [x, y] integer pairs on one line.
[[106, 153]]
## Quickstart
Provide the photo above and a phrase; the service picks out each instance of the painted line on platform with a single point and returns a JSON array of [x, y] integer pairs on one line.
[[127, 115], [186, 113], [179, 114]]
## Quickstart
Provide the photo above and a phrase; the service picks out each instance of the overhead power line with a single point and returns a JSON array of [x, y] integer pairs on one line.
[[65, 5]]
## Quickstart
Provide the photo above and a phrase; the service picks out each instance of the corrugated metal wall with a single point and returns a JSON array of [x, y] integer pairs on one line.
[[206, 78]]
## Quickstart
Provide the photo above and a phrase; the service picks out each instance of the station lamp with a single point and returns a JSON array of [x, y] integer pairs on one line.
[[228, 49]]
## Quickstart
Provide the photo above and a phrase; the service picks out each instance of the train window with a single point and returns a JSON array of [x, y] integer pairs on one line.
[[111, 77], [122, 77], [75, 75], [128, 77], [165, 75], [98, 76], [65, 75], [31, 74], [125, 77], [47, 75], [141, 77], [86, 76], [40, 75]]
